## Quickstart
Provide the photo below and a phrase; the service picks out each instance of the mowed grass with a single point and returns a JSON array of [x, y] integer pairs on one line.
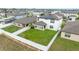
[[7, 44], [61, 44], [39, 36], [11, 28]]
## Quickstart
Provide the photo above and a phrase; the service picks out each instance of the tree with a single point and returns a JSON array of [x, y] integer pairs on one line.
[[5, 12], [42, 14], [29, 14]]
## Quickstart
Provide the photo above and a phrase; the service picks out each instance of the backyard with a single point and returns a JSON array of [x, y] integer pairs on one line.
[[39, 36], [7, 44], [11, 28], [61, 44]]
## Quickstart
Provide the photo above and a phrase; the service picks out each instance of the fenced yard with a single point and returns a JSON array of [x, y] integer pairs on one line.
[[11, 28], [61, 44], [38, 36]]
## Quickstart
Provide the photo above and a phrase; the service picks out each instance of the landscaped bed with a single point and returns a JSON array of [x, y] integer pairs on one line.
[[11, 28], [61, 44], [39, 36]]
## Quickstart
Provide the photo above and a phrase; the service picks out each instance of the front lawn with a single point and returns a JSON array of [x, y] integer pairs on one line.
[[62, 44], [11, 28], [39, 36]]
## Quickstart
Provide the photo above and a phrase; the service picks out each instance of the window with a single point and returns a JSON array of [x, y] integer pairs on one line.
[[70, 18], [52, 21], [51, 26], [67, 35]]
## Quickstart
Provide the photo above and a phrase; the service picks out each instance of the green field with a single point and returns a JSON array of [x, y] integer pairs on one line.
[[39, 36]]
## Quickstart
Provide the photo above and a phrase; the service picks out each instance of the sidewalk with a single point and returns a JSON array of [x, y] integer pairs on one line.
[[21, 30], [53, 39]]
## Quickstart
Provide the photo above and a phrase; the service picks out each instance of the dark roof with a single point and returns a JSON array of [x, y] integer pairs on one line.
[[72, 27], [26, 20], [59, 14], [41, 23], [51, 16]]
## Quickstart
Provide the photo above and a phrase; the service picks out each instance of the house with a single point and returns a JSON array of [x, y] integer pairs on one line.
[[53, 21], [37, 13], [72, 18], [25, 21], [69, 12], [17, 15], [7, 20], [59, 14], [71, 31], [40, 25]]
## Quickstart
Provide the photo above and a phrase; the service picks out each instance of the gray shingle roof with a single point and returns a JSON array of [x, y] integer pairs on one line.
[[59, 14], [72, 27], [41, 23], [26, 20], [52, 17]]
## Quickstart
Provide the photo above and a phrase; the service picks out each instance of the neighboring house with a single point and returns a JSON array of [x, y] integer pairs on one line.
[[53, 21], [69, 12], [26, 21], [59, 14], [71, 31], [40, 25], [7, 20], [72, 18], [17, 15], [37, 13]]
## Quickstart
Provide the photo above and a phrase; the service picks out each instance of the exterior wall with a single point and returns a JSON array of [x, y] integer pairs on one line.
[[19, 25], [68, 14], [6, 20], [73, 18], [56, 25], [37, 13], [39, 27], [73, 37]]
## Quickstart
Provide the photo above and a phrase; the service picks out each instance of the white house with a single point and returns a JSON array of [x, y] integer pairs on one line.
[[52, 21], [68, 13], [7, 20], [72, 18], [37, 13]]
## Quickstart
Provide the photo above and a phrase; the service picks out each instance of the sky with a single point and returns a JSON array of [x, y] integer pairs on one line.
[[39, 4]]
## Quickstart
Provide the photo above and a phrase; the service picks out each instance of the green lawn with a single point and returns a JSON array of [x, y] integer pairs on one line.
[[11, 28], [39, 36], [62, 44]]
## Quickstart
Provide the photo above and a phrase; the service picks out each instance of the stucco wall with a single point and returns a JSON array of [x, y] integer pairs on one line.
[[17, 24], [73, 18], [73, 37], [56, 25]]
